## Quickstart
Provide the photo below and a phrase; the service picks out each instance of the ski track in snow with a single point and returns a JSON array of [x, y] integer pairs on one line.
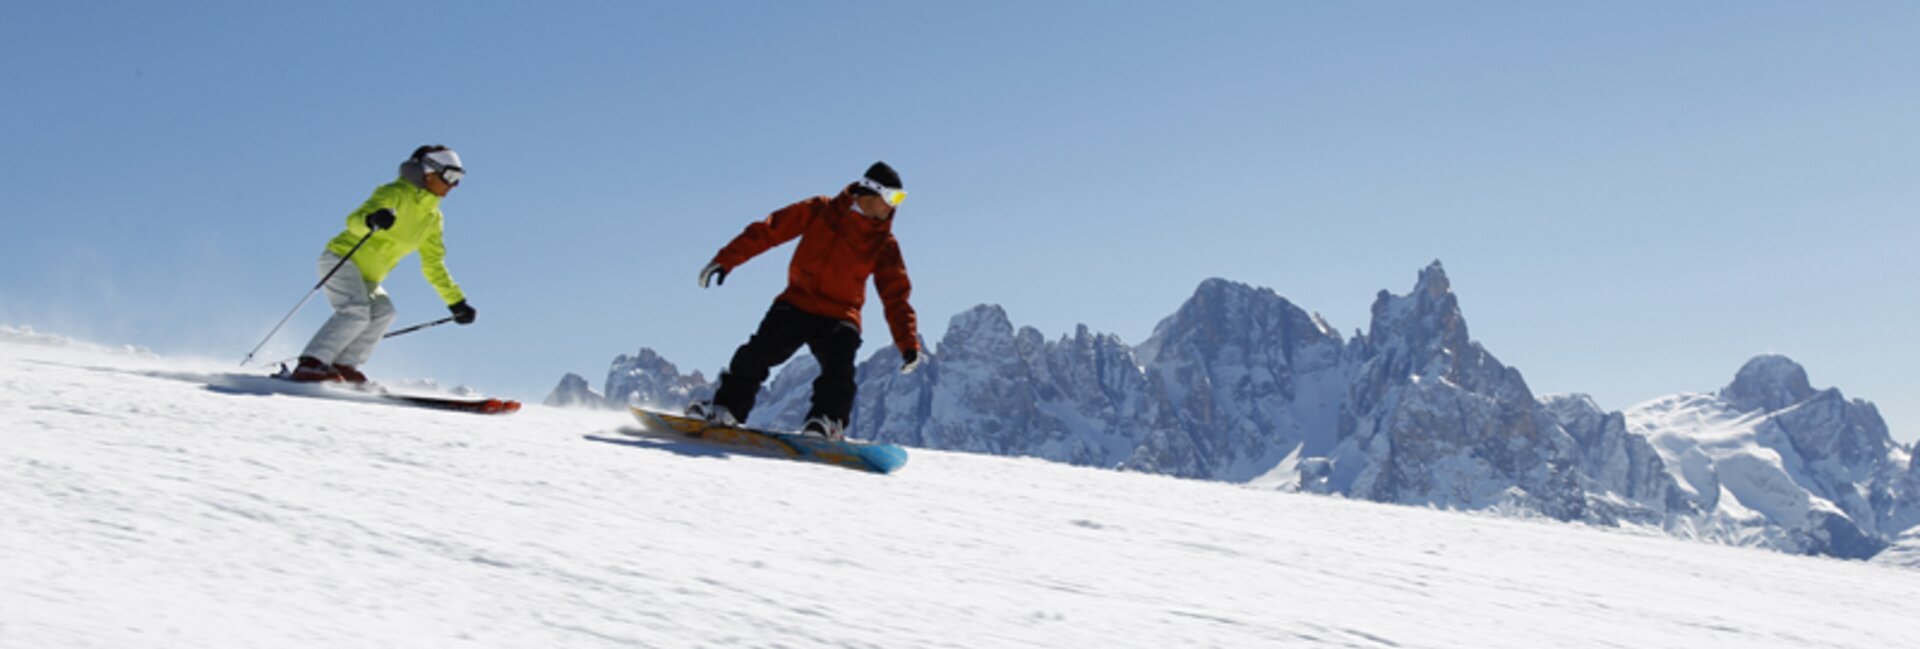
[[139, 508]]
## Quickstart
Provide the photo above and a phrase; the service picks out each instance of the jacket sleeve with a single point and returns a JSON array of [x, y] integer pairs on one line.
[[890, 278], [778, 228], [433, 263], [357, 220]]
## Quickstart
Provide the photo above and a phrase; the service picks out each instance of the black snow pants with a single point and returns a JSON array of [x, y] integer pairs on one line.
[[833, 343]]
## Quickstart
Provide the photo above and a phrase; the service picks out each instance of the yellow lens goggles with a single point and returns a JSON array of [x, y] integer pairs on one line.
[[894, 196]]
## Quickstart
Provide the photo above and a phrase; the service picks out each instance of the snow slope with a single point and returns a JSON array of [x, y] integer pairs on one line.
[[1904, 552], [138, 508]]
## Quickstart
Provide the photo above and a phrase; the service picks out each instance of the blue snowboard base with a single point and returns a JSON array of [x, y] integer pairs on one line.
[[853, 454]]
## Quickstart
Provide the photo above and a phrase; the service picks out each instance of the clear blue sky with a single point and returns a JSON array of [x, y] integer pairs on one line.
[[1631, 198]]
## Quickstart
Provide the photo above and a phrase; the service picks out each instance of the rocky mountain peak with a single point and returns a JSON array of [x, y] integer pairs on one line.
[[573, 392], [1218, 300], [646, 377], [1575, 408], [1426, 318], [980, 317], [1432, 417], [1433, 281], [1424, 334], [983, 330], [1223, 310], [1768, 382], [646, 358]]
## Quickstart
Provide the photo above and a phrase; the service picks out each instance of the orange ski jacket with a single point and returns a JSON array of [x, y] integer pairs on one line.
[[839, 248]]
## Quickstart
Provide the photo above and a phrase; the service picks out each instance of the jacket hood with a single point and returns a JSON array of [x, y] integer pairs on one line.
[[412, 172]]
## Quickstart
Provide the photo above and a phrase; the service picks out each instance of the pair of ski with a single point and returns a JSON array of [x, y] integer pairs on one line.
[[850, 453], [480, 406]]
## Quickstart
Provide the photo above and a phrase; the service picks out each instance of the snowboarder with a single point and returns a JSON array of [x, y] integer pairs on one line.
[[402, 216], [843, 240]]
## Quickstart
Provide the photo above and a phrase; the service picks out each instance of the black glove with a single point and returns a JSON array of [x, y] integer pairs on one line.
[[462, 313], [381, 219]]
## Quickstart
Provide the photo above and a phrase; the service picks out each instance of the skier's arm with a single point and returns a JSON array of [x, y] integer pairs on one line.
[[890, 278], [382, 199], [433, 264], [778, 228]]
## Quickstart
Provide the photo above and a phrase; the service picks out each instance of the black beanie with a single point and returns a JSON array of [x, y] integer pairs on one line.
[[884, 175]]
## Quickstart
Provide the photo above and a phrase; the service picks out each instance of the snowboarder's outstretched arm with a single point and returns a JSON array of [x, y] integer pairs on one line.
[[890, 278], [778, 228]]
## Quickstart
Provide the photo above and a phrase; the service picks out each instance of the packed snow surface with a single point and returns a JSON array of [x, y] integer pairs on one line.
[[144, 505]]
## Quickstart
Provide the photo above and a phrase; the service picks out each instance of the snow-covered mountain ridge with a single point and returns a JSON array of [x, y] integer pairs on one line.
[[1242, 385], [145, 507], [1778, 463]]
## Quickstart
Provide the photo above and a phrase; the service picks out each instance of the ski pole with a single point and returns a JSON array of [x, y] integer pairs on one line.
[[303, 301], [423, 325]]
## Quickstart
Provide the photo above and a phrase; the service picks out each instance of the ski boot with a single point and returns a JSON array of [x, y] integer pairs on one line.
[[313, 370], [351, 376]]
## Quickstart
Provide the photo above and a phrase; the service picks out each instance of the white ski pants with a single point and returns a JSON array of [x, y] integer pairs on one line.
[[362, 312]]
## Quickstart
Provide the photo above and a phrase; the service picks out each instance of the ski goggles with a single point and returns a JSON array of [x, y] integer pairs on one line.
[[894, 196], [446, 163]]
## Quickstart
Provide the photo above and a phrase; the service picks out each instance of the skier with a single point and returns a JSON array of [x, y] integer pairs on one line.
[[403, 216], [843, 240]]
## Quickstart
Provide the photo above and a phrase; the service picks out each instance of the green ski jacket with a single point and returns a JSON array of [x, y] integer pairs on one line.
[[416, 226]]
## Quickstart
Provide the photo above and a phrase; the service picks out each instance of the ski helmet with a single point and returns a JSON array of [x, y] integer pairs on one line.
[[439, 159]]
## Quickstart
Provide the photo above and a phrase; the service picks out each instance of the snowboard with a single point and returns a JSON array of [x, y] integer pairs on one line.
[[849, 453]]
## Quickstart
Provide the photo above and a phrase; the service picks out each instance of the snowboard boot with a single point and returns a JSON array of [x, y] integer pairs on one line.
[[824, 426], [350, 375], [712, 413], [313, 370]]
